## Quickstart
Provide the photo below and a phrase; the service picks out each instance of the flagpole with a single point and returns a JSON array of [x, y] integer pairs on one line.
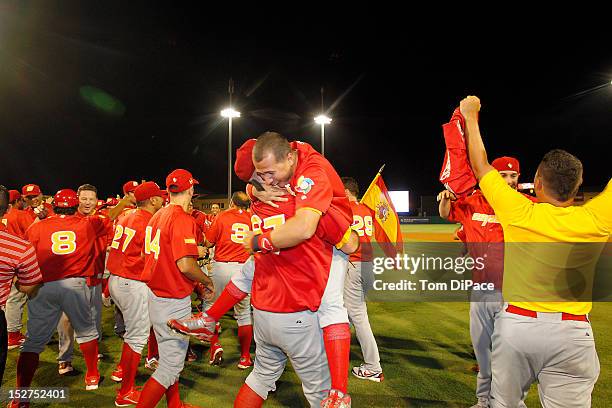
[[372, 183]]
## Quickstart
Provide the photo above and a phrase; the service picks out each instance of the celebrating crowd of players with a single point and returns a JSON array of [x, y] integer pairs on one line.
[[288, 296], [288, 257]]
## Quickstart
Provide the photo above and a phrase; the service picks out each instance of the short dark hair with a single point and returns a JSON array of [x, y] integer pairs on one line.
[[4, 200], [562, 174], [241, 200], [271, 142], [87, 187], [351, 185], [65, 210]]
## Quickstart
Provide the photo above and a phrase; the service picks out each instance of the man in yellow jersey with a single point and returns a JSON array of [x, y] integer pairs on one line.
[[543, 333]]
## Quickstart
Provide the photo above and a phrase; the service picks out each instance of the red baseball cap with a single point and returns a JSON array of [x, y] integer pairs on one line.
[[147, 190], [506, 163], [243, 166], [66, 198], [30, 190], [180, 180], [14, 195], [165, 196], [130, 186]]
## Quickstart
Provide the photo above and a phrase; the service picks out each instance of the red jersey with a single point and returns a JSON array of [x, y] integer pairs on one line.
[[202, 222], [17, 222], [95, 278], [227, 234], [65, 245], [17, 259], [294, 279], [362, 224], [170, 236], [126, 256]]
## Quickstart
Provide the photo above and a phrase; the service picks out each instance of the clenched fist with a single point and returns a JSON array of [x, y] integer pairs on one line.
[[470, 106]]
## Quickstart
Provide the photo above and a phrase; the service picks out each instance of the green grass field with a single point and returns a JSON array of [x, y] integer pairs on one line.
[[425, 351]]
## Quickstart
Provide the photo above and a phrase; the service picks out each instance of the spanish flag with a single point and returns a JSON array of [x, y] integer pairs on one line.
[[387, 230]]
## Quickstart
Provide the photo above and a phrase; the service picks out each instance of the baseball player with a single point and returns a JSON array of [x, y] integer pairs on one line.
[[16, 220], [226, 235], [171, 272], [17, 260], [88, 199], [130, 294], [35, 205], [481, 228], [128, 202], [64, 246], [540, 335], [214, 211], [333, 314], [356, 285]]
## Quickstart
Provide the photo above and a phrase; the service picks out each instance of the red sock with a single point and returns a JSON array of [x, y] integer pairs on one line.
[[152, 350], [151, 394], [90, 354], [26, 367], [173, 397], [129, 362], [105, 288], [245, 335], [337, 339], [228, 298], [124, 356], [247, 398], [215, 339]]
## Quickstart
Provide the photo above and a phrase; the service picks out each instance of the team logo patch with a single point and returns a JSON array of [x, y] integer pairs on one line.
[[30, 188], [382, 211], [304, 185]]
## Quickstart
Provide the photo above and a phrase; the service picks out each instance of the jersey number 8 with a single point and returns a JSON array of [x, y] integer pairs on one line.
[[239, 231]]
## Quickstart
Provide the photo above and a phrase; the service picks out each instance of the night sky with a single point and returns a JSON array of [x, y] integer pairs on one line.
[[389, 87]]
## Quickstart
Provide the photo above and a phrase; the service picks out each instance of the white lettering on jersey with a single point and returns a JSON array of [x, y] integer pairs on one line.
[[485, 218]]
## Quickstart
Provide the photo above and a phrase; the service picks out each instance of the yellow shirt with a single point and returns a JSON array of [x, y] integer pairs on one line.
[[550, 252]]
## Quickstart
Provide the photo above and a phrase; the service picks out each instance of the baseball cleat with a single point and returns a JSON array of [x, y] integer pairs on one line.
[[91, 382], [127, 399], [152, 363], [64, 367], [17, 404], [365, 374], [15, 339], [216, 354], [117, 374], [191, 356], [100, 356], [245, 362], [336, 399], [482, 403], [199, 325]]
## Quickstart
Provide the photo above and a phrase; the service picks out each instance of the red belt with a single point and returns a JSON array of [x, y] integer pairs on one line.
[[530, 313]]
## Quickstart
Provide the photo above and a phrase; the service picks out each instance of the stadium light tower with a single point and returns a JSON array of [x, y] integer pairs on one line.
[[229, 113], [322, 120]]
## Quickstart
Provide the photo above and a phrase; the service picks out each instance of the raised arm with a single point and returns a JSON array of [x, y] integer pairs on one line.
[[470, 107]]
